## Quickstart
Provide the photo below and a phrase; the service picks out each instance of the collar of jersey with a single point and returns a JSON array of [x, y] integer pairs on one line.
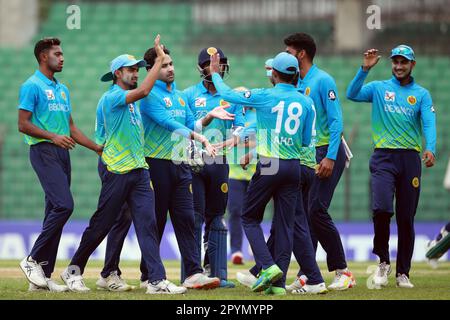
[[46, 80], [394, 80], [309, 73], [163, 86], [286, 86]]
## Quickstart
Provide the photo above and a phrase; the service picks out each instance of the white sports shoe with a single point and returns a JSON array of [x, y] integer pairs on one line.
[[298, 283], [320, 288], [380, 277], [52, 286], [343, 280], [33, 271], [246, 279], [403, 281], [75, 283], [113, 283], [164, 287], [201, 281]]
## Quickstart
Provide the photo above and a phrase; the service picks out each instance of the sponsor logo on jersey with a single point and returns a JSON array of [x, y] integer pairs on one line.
[[200, 102], [223, 103], [247, 94], [131, 107], [412, 100], [63, 95], [50, 94], [168, 102], [181, 101], [389, 96]]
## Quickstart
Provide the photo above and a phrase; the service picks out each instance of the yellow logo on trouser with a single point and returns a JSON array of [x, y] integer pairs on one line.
[[415, 182], [224, 187]]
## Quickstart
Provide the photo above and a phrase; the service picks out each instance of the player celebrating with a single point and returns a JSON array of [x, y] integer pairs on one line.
[[330, 155], [284, 125], [210, 184], [127, 179], [401, 109], [45, 119]]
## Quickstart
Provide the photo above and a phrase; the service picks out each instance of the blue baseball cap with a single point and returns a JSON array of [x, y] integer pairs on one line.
[[268, 65], [285, 63], [206, 53], [124, 60], [404, 51]]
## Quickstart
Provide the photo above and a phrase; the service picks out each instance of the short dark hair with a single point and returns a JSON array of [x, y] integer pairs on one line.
[[287, 78], [150, 56], [43, 45], [302, 41]]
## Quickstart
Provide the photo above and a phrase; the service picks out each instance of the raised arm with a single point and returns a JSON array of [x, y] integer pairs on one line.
[[356, 91], [146, 86]]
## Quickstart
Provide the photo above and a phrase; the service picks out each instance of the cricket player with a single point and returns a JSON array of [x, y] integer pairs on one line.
[[330, 155], [309, 280], [126, 179], [401, 111], [166, 111], [284, 124], [210, 183], [45, 119]]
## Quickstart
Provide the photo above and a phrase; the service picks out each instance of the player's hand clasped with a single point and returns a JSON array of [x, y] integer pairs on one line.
[[63, 141]]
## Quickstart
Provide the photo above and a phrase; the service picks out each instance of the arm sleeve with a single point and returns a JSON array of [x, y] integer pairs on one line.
[[28, 97], [190, 120], [155, 110], [428, 117], [255, 98], [334, 115], [117, 98], [308, 128], [239, 118], [356, 91]]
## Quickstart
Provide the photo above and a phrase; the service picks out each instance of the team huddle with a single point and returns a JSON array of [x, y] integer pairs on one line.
[[198, 152]]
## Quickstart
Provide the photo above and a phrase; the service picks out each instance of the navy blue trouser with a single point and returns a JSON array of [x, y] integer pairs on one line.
[[173, 192], [283, 186], [395, 172], [134, 189], [322, 225], [210, 188], [117, 235], [236, 194], [52, 166], [302, 248]]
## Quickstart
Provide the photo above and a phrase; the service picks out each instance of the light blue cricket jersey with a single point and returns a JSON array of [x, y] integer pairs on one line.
[[123, 149], [399, 113], [284, 117], [201, 101], [165, 112], [321, 88], [49, 102]]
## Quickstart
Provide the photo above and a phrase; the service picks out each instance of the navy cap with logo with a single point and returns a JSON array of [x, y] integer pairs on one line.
[[206, 53]]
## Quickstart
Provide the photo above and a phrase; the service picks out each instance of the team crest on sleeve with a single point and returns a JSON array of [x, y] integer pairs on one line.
[[412, 100], [181, 101], [50, 94], [168, 102], [332, 95], [200, 102], [247, 94], [389, 96], [432, 109], [308, 91], [131, 107]]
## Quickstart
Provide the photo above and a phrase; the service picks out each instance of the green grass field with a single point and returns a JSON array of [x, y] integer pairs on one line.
[[429, 285]]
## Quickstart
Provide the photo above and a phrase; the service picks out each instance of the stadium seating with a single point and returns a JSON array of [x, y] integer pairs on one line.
[[109, 30]]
